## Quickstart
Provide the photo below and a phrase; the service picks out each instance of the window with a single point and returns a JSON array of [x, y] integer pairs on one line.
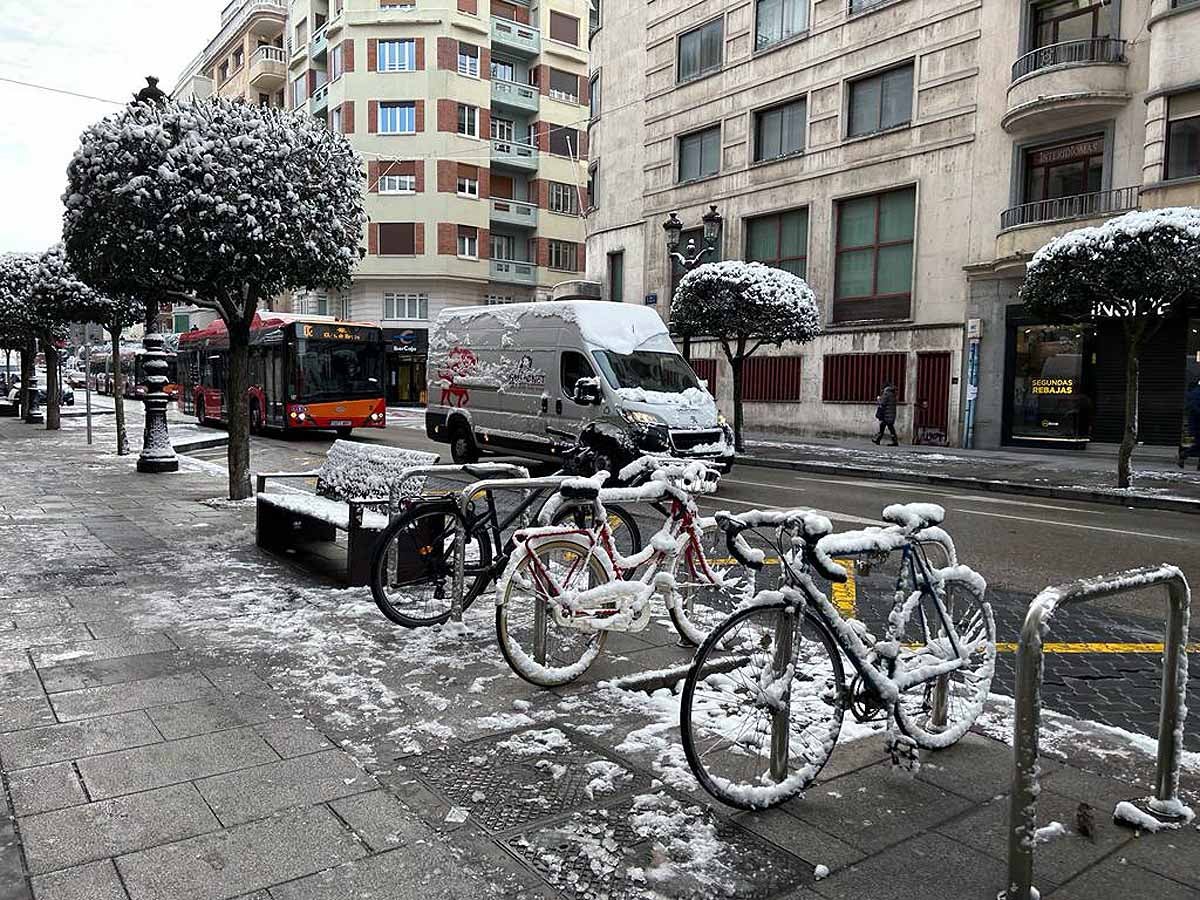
[[875, 255], [700, 154], [468, 60], [301, 33], [593, 17], [564, 198], [700, 50], [468, 120], [468, 187], [593, 186], [616, 277], [397, 184], [397, 239], [503, 70], [564, 28], [881, 101], [468, 242], [1060, 21], [503, 246], [398, 118], [572, 367], [772, 379], [857, 6], [859, 377], [564, 255], [594, 95], [1064, 170], [779, 131], [502, 129], [396, 56], [405, 306], [335, 120], [780, 240], [224, 71], [264, 99], [778, 20], [564, 141], [1049, 398], [564, 86], [299, 90], [499, 299], [1183, 136], [337, 62]]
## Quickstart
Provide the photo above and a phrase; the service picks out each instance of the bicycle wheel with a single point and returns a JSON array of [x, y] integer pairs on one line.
[[938, 712], [698, 604], [412, 569], [753, 738], [627, 537], [536, 647]]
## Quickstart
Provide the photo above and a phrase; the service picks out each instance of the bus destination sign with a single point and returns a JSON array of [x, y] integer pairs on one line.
[[336, 332]]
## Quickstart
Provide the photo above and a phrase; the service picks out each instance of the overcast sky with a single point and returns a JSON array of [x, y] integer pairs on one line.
[[104, 48]]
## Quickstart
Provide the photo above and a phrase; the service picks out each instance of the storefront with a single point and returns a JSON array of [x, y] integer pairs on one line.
[[407, 350], [1064, 385]]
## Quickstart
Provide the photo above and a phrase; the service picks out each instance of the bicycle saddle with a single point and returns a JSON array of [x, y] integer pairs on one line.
[[582, 488], [914, 516]]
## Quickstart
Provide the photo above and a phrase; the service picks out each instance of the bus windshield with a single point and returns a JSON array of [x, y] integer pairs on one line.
[[330, 370], [650, 371]]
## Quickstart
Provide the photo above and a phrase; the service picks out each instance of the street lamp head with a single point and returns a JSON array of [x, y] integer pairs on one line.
[[674, 228], [712, 226]]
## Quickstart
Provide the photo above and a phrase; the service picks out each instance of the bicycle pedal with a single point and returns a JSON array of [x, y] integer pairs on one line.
[[904, 752]]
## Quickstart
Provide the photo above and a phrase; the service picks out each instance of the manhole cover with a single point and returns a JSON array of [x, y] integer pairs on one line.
[[655, 847], [510, 781]]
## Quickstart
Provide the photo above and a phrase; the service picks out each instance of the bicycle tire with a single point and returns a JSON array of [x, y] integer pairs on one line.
[[406, 562], [822, 669], [571, 652], [694, 622], [966, 689], [627, 536]]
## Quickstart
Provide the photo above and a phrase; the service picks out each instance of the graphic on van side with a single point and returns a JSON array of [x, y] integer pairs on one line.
[[527, 375], [461, 363]]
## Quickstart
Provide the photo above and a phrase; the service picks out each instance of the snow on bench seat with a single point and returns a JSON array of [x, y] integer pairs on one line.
[[324, 509], [353, 470]]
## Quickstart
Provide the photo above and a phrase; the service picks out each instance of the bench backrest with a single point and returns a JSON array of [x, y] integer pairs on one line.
[[354, 471]]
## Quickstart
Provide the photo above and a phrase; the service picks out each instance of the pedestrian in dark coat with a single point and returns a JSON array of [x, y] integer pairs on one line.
[[1191, 404], [885, 412]]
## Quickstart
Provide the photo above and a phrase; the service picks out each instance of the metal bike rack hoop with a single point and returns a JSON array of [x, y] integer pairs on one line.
[[1022, 815]]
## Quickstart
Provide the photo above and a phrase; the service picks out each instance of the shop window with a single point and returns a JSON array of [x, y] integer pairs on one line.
[[859, 377], [1048, 397], [1183, 136], [771, 379]]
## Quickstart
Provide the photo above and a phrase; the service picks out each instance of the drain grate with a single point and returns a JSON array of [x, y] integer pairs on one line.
[[598, 854], [511, 781]]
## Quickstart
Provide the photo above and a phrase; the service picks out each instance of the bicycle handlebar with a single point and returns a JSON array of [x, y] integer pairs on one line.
[[802, 523]]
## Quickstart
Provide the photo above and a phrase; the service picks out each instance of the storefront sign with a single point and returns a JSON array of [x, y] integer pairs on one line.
[[1065, 386], [1078, 150]]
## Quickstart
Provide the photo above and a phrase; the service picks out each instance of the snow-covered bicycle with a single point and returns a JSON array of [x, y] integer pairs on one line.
[[567, 586], [764, 699]]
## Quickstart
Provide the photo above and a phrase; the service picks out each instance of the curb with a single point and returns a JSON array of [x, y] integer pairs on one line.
[[1171, 504], [201, 444]]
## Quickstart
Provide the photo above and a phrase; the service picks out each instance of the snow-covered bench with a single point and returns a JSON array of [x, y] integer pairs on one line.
[[357, 491]]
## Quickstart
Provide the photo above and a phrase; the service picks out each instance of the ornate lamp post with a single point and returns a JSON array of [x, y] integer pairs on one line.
[[157, 453], [691, 255]]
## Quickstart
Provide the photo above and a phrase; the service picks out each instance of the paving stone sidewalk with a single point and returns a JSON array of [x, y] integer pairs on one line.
[[184, 717]]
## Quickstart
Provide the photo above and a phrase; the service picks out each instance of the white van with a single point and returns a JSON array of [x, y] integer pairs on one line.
[[535, 379]]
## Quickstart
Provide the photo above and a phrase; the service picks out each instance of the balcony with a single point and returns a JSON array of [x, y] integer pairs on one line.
[[1027, 228], [511, 95], [513, 271], [268, 68], [514, 212], [516, 38], [1065, 84], [318, 44], [514, 155], [237, 14], [319, 102]]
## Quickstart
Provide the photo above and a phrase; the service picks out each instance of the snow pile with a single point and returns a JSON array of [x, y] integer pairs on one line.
[[690, 398], [1049, 832], [353, 470], [685, 841], [1125, 813], [536, 743]]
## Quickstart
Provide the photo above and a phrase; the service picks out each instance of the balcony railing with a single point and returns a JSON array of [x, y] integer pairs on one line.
[[517, 36], [235, 16], [513, 271], [511, 93], [515, 212], [317, 43], [1092, 50], [523, 155], [1079, 206], [268, 53]]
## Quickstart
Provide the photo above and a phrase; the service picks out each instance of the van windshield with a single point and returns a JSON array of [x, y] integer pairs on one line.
[[663, 372]]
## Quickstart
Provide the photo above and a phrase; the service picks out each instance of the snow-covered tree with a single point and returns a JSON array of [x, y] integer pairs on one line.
[[1136, 269], [744, 306], [18, 317], [217, 203]]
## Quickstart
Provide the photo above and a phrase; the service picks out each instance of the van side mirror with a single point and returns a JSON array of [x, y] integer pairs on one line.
[[587, 392]]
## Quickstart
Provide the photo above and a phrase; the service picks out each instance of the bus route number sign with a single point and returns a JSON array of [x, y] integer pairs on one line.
[[338, 333]]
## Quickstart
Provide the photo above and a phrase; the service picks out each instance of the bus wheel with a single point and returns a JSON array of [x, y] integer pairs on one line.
[[462, 445], [344, 431]]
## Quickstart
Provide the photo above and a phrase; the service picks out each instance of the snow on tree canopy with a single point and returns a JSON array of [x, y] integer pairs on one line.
[[735, 298], [18, 272], [216, 195]]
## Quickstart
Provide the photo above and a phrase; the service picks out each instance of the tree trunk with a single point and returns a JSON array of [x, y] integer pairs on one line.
[[1133, 352], [53, 392], [28, 388], [735, 366], [118, 393], [239, 411]]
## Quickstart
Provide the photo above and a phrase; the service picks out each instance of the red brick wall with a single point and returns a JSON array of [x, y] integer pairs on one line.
[[312, 81], [485, 123], [541, 248], [348, 55], [372, 55], [584, 85], [469, 6], [544, 80], [539, 193], [447, 239], [485, 63], [373, 239], [447, 115], [447, 54], [447, 173], [372, 116], [348, 117], [372, 176], [420, 116], [580, 258], [484, 249], [420, 54], [583, 144], [485, 184], [418, 234], [541, 137]]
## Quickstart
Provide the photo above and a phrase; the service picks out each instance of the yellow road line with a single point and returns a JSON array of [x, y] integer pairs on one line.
[[1094, 647]]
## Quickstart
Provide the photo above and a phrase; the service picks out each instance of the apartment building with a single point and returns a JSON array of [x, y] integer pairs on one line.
[[471, 120], [245, 59], [907, 157]]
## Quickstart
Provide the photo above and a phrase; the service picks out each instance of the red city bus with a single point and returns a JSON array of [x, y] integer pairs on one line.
[[306, 372]]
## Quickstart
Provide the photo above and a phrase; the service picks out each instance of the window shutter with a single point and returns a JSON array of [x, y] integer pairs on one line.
[[564, 28]]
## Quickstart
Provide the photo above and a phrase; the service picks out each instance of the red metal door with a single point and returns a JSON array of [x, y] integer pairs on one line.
[[931, 413]]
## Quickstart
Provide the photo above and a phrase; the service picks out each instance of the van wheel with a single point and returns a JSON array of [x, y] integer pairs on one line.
[[462, 445]]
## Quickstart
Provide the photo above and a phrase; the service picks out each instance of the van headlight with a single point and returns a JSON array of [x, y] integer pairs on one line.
[[721, 420], [637, 417]]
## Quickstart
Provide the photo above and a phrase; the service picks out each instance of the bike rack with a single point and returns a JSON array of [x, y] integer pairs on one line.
[[494, 468], [1022, 814]]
